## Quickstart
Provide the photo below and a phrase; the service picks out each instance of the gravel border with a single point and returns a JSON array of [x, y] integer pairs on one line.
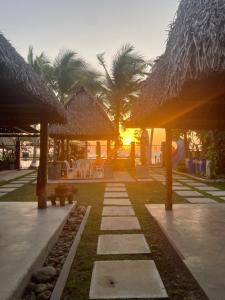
[[61, 281]]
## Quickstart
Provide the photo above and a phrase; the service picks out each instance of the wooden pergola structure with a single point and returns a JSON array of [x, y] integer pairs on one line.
[[25, 99], [10, 137], [86, 121], [186, 88]]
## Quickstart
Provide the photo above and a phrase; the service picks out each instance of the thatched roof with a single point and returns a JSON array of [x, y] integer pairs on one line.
[[24, 96], [191, 72], [86, 120]]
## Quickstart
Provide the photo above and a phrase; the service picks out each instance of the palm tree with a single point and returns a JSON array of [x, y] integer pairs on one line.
[[121, 86], [40, 65], [66, 68], [69, 72]]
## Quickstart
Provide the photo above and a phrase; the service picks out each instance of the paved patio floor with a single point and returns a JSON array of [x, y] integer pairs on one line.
[[26, 233], [198, 233]]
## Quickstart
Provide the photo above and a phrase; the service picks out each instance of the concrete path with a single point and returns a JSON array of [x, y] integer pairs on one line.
[[113, 279], [29, 176], [118, 177], [194, 191], [197, 232], [27, 235], [13, 174]]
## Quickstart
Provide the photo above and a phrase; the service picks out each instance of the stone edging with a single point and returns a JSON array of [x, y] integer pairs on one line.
[[61, 281]]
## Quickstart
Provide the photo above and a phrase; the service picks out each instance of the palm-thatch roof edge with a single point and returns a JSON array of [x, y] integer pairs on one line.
[[20, 83], [86, 120], [191, 72]]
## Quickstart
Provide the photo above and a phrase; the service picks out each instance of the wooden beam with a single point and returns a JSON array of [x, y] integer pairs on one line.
[[43, 166], [168, 156]]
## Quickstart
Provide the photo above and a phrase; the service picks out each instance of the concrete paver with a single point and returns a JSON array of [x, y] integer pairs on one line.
[[206, 188], [181, 188], [115, 184], [189, 193], [115, 195], [115, 279], [6, 190], [203, 200], [217, 193], [122, 244], [115, 201], [118, 211], [115, 189], [12, 185], [120, 223]]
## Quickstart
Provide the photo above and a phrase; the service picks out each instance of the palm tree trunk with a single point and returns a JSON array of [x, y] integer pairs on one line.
[[117, 124]]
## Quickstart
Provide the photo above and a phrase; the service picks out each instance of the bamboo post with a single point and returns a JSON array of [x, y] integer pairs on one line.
[[17, 154], [108, 149], [168, 156], [42, 170]]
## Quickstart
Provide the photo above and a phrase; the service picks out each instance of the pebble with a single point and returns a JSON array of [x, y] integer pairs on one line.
[[44, 296], [44, 274], [41, 287]]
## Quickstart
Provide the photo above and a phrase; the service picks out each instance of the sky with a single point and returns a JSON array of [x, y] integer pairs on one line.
[[88, 27]]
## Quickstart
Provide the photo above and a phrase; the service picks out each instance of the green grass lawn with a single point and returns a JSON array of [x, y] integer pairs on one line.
[[78, 283]]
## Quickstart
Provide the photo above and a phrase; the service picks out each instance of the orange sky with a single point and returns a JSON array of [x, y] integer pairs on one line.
[[128, 136]]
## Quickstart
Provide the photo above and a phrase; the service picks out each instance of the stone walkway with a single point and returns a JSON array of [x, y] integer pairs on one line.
[[197, 232], [17, 183], [115, 278], [192, 190], [7, 175], [27, 235]]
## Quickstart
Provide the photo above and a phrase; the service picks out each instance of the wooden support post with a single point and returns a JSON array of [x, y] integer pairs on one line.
[[108, 149], [42, 170], [68, 149], [55, 156], [186, 144], [132, 154], [168, 156], [98, 150], [62, 149], [86, 150], [17, 154]]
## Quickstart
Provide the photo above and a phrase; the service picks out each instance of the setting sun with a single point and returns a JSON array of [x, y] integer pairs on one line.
[[127, 140]]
